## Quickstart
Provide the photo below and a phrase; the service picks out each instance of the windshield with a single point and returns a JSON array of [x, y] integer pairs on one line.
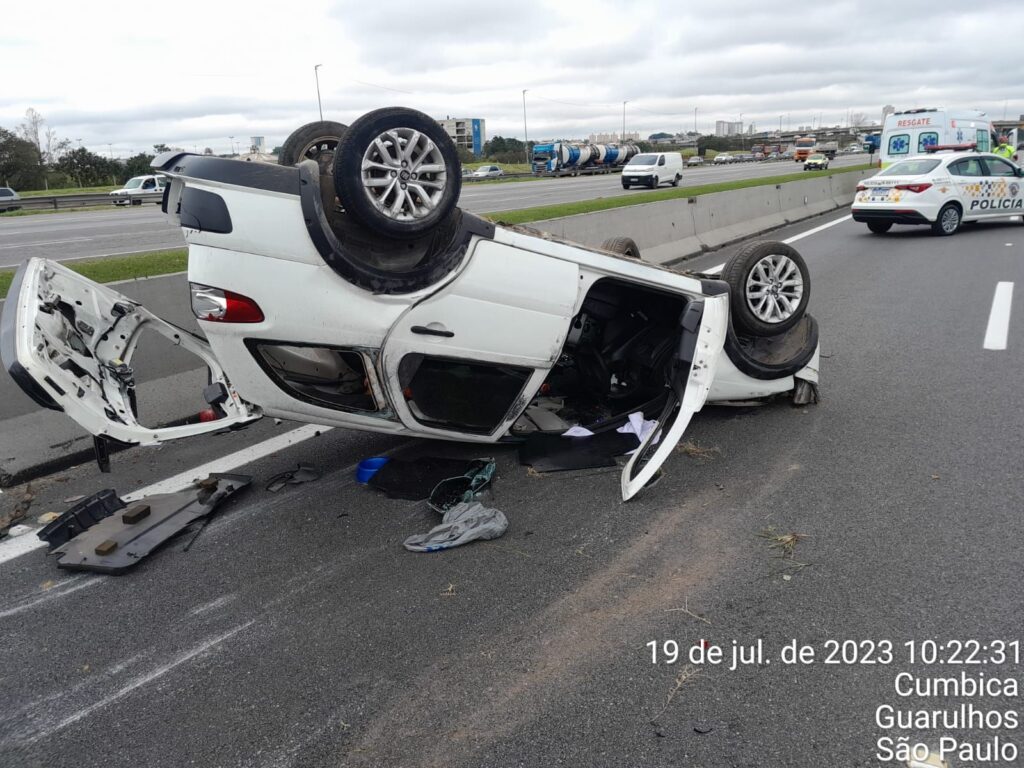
[[134, 183], [911, 168], [816, 157], [644, 160]]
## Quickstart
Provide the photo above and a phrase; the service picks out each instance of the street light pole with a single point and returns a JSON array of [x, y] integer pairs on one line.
[[526, 135], [622, 139], [316, 74]]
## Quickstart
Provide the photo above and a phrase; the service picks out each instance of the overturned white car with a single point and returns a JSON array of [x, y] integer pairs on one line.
[[350, 290]]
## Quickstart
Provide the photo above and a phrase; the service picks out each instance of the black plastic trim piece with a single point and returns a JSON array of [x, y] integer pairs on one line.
[[8, 346], [766, 371], [713, 287], [892, 217], [362, 274], [204, 211], [425, 331], [273, 178]]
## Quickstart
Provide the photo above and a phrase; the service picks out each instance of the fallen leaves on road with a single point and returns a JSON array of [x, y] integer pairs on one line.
[[448, 591], [784, 542], [685, 674]]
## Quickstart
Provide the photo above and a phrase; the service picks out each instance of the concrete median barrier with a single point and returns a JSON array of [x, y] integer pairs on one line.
[[673, 230]]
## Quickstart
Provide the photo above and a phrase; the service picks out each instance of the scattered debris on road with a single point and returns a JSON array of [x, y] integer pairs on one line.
[[415, 479], [81, 517], [120, 541], [303, 473], [697, 451], [463, 523]]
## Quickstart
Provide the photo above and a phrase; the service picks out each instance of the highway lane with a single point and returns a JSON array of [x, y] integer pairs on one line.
[[80, 235], [298, 632]]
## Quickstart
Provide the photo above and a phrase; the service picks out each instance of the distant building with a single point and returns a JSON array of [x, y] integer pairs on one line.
[[728, 128], [614, 138], [467, 132]]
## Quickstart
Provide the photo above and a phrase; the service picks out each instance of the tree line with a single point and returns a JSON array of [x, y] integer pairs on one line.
[[33, 156]]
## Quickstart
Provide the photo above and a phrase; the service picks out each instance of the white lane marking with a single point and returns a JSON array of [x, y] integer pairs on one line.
[[51, 594], [140, 681], [718, 267], [46, 242], [12, 548], [999, 318], [253, 453]]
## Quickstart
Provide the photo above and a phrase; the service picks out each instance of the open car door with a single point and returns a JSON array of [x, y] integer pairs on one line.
[[704, 325], [464, 363], [68, 342]]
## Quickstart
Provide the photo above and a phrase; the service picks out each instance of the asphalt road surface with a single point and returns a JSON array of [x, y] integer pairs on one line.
[[297, 631], [88, 234]]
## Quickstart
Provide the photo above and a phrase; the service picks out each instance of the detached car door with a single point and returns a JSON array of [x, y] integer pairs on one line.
[[466, 361], [68, 342]]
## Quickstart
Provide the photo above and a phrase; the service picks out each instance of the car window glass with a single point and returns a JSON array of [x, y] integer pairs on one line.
[[661, 161], [910, 168], [983, 140], [969, 166], [5, 192], [927, 139], [148, 184], [899, 144], [999, 167]]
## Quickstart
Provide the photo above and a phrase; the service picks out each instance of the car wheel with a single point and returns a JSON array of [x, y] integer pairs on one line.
[[948, 221], [397, 172], [624, 246], [675, 181], [655, 182], [314, 141], [769, 287], [625, 185], [879, 227]]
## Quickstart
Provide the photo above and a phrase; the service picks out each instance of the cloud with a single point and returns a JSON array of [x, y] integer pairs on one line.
[[243, 75]]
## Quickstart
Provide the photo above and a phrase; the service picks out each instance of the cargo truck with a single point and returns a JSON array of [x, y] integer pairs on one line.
[[564, 159]]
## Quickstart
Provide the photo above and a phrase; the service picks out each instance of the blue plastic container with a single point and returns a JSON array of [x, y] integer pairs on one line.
[[368, 468]]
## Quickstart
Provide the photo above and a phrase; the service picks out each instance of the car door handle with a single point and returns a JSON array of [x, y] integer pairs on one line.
[[425, 331]]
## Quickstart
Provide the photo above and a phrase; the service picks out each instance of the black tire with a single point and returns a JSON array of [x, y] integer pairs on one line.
[[948, 221], [314, 141], [879, 227], [736, 273], [675, 180], [625, 185], [654, 182], [363, 204], [624, 246]]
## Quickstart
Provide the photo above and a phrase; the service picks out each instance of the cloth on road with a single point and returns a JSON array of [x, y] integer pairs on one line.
[[463, 523]]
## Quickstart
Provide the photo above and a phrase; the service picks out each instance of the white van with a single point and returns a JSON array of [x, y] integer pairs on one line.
[[139, 188], [652, 168], [910, 133]]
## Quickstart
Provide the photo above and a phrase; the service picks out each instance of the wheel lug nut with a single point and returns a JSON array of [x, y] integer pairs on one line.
[[414, 176], [403, 186], [394, 173], [404, 163]]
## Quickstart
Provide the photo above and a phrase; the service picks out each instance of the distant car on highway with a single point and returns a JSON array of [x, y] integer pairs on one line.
[[488, 172], [130, 193], [940, 190], [695, 160], [816, 163], [653, 168], [722, 158], [8, 196]]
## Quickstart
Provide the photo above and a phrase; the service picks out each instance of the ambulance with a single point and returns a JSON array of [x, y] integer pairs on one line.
[[910, 133]]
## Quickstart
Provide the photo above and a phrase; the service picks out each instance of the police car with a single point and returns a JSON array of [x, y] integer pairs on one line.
[[943, 189]]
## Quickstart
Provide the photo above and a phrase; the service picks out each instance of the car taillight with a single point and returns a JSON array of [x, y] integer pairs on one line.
[[861, 188], [914, 187], [219, 306]]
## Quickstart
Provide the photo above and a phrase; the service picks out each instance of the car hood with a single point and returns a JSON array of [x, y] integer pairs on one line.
[[638, 168]]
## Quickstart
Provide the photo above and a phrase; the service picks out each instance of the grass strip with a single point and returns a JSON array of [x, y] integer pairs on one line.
[[113, 268], [543, 212]]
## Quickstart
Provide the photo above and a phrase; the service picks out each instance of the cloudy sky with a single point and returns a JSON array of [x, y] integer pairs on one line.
[[191, 74]]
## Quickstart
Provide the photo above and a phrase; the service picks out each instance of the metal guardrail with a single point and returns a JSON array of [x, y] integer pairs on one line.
[[56, 202]]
